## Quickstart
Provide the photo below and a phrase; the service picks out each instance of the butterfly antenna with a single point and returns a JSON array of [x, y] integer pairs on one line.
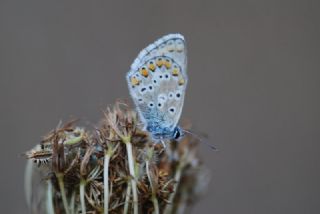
[[201, 140]]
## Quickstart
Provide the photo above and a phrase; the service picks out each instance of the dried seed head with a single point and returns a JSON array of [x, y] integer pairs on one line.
[[39, 155], [169, 176]]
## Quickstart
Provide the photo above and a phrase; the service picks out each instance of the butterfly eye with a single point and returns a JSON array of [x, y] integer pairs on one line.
[[176, 133]]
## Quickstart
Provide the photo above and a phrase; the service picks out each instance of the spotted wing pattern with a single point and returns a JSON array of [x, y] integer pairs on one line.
[[157, 82]]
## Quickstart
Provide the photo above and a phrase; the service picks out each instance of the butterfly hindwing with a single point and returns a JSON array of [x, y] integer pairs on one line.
[[157, 82]]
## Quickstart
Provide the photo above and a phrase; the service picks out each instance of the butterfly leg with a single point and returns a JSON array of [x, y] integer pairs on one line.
[[163, 144]]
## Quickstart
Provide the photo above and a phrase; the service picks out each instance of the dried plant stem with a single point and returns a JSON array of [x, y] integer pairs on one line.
[[128, 195], [181, 205], [155, 204], [107, 156], [132, 173], [82, 193], [62, 191], [177, 178], [73, 198], [106, 180], [50, 209], [154, 197]]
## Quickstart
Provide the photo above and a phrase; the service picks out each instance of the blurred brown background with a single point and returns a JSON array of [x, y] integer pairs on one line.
[[254, 88]]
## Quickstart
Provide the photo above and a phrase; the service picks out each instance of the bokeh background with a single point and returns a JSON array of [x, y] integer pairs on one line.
[[254, 88]]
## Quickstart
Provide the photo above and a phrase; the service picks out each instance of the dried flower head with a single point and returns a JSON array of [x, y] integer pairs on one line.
[[114, 169]]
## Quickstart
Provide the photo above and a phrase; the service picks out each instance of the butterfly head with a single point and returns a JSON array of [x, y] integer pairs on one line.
[[159, 133], [177, 133]]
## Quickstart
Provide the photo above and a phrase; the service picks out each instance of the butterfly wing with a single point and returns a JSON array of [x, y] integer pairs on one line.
[[157, 81]]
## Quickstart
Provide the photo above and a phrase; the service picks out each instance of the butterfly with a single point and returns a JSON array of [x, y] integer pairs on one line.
[[157, 83]]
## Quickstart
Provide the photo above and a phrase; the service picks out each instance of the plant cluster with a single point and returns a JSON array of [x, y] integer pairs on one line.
[[116, 168]]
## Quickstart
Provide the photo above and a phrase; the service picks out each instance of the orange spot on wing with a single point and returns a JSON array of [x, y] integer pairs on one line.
[[167, 63], [151, 66], [175, 71], [144, 72], [181, 81], [134, 81], [159, 62]]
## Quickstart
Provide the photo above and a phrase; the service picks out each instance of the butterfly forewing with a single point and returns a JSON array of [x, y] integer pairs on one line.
[[157, 82]]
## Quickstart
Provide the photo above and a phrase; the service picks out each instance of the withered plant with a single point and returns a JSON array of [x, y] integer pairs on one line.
[[116, 168]]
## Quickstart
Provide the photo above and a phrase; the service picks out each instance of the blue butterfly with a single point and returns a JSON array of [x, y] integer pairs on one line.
[[157, 83]]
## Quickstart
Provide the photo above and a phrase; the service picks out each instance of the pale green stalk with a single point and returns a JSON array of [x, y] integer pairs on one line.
[[72, 202], [28, 176], [62, 191], [128, 195], [177, 178], [50, 209], [107, 156], [82, 198], [154, 197], [106, 181], [133, 180]]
